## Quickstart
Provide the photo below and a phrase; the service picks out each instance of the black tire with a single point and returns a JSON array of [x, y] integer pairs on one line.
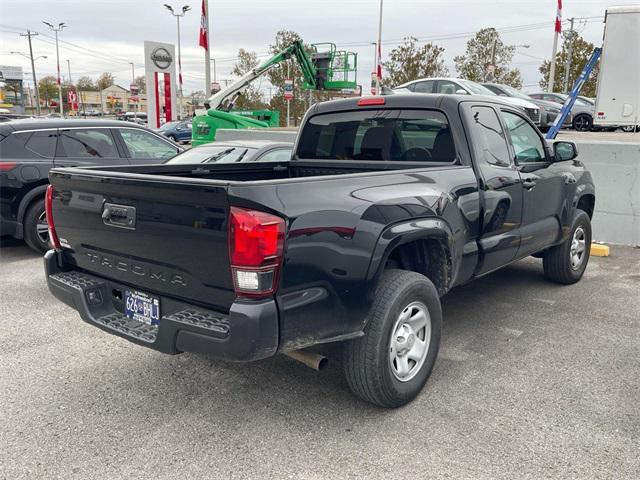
[[583, 123], [367, 360], [173, 137], [32, 219], [557, 261]]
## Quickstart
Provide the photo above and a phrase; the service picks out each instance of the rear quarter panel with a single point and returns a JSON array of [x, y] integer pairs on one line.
[[335, 225]]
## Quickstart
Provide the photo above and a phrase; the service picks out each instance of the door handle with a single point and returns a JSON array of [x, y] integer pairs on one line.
[[529, 183]]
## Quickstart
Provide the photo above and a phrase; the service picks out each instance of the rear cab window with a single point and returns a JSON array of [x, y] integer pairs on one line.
[[378, 135]]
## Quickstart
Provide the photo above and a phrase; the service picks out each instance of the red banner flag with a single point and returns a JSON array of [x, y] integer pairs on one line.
[[559, 17], [204, 28]]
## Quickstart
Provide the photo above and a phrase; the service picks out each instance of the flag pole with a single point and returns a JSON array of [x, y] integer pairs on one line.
[[558, 29], [379, 52], [207, 60]]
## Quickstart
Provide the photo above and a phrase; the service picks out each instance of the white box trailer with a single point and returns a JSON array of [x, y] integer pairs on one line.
[[618, 97]]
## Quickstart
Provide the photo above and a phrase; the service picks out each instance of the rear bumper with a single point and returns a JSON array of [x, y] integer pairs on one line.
[[248, 332]]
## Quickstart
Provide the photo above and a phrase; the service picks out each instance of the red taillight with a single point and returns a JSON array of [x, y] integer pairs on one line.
[[256, 243], [48, 204], [6, 166], [364, 101]]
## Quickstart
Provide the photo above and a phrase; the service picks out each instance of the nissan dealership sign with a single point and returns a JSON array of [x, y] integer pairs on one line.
[[160, 75]]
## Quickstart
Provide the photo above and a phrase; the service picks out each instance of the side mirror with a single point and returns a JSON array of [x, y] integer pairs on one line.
[[564, 151], [461, 91]]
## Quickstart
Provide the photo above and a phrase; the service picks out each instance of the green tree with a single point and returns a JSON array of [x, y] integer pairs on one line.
[[252, 97], [410, 61], [86, 84], [580, 54], [141, 82], [48, 88], [302, 99], [481, 49], [105, 80]]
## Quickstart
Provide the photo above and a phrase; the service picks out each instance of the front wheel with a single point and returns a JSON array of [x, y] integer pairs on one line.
[[392, 362], [566, 263]]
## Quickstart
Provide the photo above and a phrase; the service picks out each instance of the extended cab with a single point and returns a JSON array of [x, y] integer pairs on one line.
[[387, 204]]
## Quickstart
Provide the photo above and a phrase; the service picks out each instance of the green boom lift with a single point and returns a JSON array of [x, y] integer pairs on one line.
[[324, 67]]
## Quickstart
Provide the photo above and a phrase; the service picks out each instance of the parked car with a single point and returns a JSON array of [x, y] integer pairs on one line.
[[459, 86], [235, 152], [548, 110], [179, 131], [30, 148], [583, 111], [388, 202]]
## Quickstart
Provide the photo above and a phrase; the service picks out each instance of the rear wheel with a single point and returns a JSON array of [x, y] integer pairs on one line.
[[36, 232], [392, 362], [566, 263], [582, 123]]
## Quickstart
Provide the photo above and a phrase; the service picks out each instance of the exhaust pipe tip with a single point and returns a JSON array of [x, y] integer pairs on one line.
[[310, 359]]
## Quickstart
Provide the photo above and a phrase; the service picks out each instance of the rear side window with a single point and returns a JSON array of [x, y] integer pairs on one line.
[[378, 135], [491, 136], [42, 143], [32, 145], [88, 143]]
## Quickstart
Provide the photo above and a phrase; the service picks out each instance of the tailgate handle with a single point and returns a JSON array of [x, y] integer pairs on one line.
[[122, 216]]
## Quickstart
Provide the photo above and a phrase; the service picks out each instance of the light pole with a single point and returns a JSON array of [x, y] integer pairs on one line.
[[33, 70], [185, 9], [57, 29]]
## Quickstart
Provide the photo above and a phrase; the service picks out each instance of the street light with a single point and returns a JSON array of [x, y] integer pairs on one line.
[[33, 72], [185, 9], [57, 29]]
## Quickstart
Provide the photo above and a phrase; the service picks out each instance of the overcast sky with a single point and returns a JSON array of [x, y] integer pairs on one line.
[[105, 35]]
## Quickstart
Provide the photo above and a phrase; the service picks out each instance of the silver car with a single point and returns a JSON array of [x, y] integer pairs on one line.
[[548, 110], [460, 86], [234, 152], [583, 111]]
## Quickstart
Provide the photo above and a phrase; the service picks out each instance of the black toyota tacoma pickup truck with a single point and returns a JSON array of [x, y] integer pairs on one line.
[[387, 204]]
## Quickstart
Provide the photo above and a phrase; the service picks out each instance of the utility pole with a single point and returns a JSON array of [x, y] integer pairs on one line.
[[570, 36], [379, 52], [557, 31], [178, 16], [30, 34], [61, 25], [491, 68], [69, 71]]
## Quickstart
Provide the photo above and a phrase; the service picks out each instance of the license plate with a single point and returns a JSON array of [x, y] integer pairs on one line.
[[142, 307]]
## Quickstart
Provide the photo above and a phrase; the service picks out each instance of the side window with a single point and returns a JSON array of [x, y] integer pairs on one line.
[[88, 143], [447, 87], [143, 144], [42, 143], [423, 87], [276, 155], [526, 142], [492, 138]]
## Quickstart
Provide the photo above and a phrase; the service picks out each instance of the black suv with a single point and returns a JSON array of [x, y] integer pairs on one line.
[[30, 148]]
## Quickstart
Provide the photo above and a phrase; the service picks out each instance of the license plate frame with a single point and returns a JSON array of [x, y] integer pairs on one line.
[[142, 307]]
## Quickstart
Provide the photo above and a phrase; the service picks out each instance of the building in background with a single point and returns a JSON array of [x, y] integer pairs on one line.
[[11, 89]]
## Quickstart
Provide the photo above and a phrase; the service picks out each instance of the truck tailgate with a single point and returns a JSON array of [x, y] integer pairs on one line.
[[155, 235]]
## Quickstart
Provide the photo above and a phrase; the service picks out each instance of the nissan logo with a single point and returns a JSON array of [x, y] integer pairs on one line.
[[161, 58]]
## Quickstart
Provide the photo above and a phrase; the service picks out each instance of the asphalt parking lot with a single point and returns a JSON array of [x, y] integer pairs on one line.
[[534, 380]]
